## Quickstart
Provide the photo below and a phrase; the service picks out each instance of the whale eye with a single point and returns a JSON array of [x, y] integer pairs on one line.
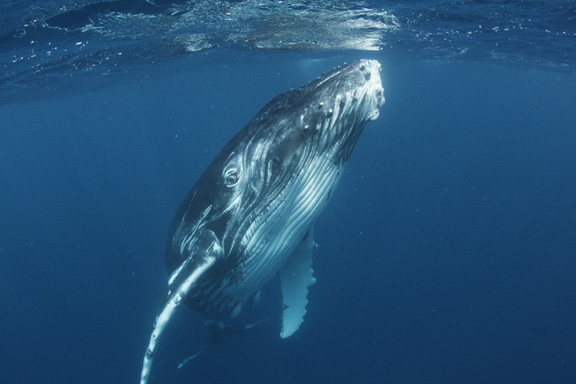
[[276, 164], [231, 177]]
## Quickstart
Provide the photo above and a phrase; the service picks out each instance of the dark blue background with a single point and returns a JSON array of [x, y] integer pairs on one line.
[[447, 255]]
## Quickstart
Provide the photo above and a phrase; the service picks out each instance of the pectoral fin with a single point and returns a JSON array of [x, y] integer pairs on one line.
[[295, 278], [179, 284]]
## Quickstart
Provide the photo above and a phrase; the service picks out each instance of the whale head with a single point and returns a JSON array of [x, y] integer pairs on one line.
[[310, 130], [326, 115]]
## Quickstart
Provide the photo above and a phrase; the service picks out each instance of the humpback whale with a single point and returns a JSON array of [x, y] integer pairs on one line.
[[249, 216]]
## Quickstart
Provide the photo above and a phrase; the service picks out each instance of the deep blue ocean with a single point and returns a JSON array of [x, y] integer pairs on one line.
[[446, 255]]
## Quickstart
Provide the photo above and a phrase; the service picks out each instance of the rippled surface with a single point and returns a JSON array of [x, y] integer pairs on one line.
[[46, 46]]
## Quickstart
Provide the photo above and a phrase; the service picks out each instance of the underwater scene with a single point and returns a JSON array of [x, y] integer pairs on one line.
[[287, 191]]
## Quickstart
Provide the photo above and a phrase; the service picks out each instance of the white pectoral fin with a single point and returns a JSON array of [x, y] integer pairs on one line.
[[180, 284], [295, 278]]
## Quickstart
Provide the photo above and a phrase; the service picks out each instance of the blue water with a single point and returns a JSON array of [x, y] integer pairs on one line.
[[447, 253]]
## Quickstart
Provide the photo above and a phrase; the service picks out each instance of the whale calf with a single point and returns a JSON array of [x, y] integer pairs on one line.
[[250, 215]]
